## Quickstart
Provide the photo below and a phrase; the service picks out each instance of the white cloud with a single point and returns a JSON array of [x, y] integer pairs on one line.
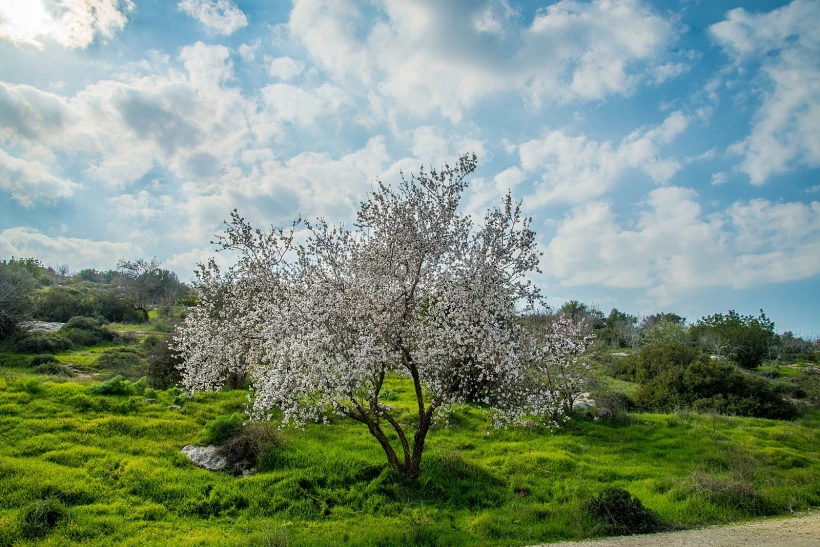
[[28, 181], [248, 51], [221, 16], [671, 246], [284, 68], [70, 23], [786, 45], [77, 253], [577, 169], [719, 178], [427, 55]]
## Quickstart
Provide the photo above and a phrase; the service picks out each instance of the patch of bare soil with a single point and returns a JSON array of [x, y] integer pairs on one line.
[[799, 531]]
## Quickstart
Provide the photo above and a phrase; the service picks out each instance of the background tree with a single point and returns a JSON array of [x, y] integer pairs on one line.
[[16, 288], [142, 283], [745, 339], [416, 288]]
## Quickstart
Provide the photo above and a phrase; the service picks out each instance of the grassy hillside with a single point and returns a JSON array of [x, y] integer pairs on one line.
[[109, 471]]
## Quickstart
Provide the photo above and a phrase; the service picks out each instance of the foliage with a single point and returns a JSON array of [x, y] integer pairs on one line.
[[251, 445], [620, 330], [580, 311], [41, 342], [16, 288], [42, 359], [128, 362], [415, 288], [653, 359], [616, 512], [562, 372], [63, 303], [41, 517], [163, 363], [705, 384], [86, 331], [141, 283], [222, 428], [793, 348], [745, 339], [115, 386]]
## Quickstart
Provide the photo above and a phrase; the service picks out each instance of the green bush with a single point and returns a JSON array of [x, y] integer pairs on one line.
[[249, 445], [162, 363], [705, 384], [41, 342], [115, 386], [53, 368], [616, 512], [746, 340], [43, 359], [87, 331], [128, 362], [652, 360], [61, 304], [41, 517], [222, 428]]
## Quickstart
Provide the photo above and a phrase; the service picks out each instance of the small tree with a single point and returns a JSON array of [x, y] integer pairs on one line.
[[16, 288], [565, 374], [745, 339], [416, 288], [142, 283]]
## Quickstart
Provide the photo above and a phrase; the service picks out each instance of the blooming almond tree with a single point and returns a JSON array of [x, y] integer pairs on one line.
[[415, 288]]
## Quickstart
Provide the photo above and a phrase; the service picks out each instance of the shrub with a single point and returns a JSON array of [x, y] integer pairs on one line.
[[41, 517], [162, 363], [616, 512], [127, 362], [42, 359], [41, 342], [248, 445], [115, 386], [87, 331], [222, 428], [61, 304], [705, 384], [53, 368], [745, 339], [653, 359]]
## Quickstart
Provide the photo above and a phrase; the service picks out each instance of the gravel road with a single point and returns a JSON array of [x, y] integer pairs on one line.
[[800, 531]]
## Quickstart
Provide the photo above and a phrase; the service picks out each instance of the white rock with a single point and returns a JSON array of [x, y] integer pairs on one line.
[[207, 457]]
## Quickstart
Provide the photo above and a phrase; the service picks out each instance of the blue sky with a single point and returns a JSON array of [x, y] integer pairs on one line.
[[668, 152]]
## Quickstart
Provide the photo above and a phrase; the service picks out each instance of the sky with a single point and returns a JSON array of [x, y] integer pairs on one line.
[[668, 151]]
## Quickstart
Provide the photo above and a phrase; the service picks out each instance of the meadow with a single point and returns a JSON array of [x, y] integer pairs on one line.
[[76, 466]]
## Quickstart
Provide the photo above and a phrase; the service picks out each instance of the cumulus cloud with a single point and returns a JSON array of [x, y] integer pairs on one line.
[[220, 16], [427, 55], [576, 169], [28, 181], [76, 252], [670, 246], [284, 68], [70, 23], [782, 48], [193, 122]]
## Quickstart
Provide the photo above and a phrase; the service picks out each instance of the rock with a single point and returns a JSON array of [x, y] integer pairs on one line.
[[206, 457], [40, 326], [603, 414], [584, 401]]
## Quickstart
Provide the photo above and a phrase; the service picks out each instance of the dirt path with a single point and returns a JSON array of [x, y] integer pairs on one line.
[[801, 531]]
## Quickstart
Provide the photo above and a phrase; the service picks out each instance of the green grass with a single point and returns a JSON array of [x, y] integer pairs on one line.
[[114, 463]]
